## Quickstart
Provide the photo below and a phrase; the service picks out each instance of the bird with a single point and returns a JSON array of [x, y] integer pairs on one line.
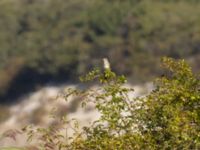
[[107, 70], [106, 64]]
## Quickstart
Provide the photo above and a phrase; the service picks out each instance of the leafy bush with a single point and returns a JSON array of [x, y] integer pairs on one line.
[[166, 118]]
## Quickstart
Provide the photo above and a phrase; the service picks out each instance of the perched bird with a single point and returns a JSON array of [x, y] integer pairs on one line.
[[106, 64], [107, 70]]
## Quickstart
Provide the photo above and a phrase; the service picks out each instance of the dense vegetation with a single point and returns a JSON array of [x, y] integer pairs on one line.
[[166, 118], [45, 39]]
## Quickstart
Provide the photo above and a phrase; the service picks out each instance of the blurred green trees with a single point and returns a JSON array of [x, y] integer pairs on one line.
[[49, 37]]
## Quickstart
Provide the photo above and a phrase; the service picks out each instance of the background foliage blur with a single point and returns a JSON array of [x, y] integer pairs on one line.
[[44, 40]]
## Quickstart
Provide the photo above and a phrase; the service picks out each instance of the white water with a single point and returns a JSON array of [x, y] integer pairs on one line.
[[36, 107]]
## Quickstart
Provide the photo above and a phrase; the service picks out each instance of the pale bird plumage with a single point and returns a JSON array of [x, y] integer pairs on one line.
[[106, 63]]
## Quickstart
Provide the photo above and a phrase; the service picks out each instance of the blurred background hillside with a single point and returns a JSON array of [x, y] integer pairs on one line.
[[44, 41]]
